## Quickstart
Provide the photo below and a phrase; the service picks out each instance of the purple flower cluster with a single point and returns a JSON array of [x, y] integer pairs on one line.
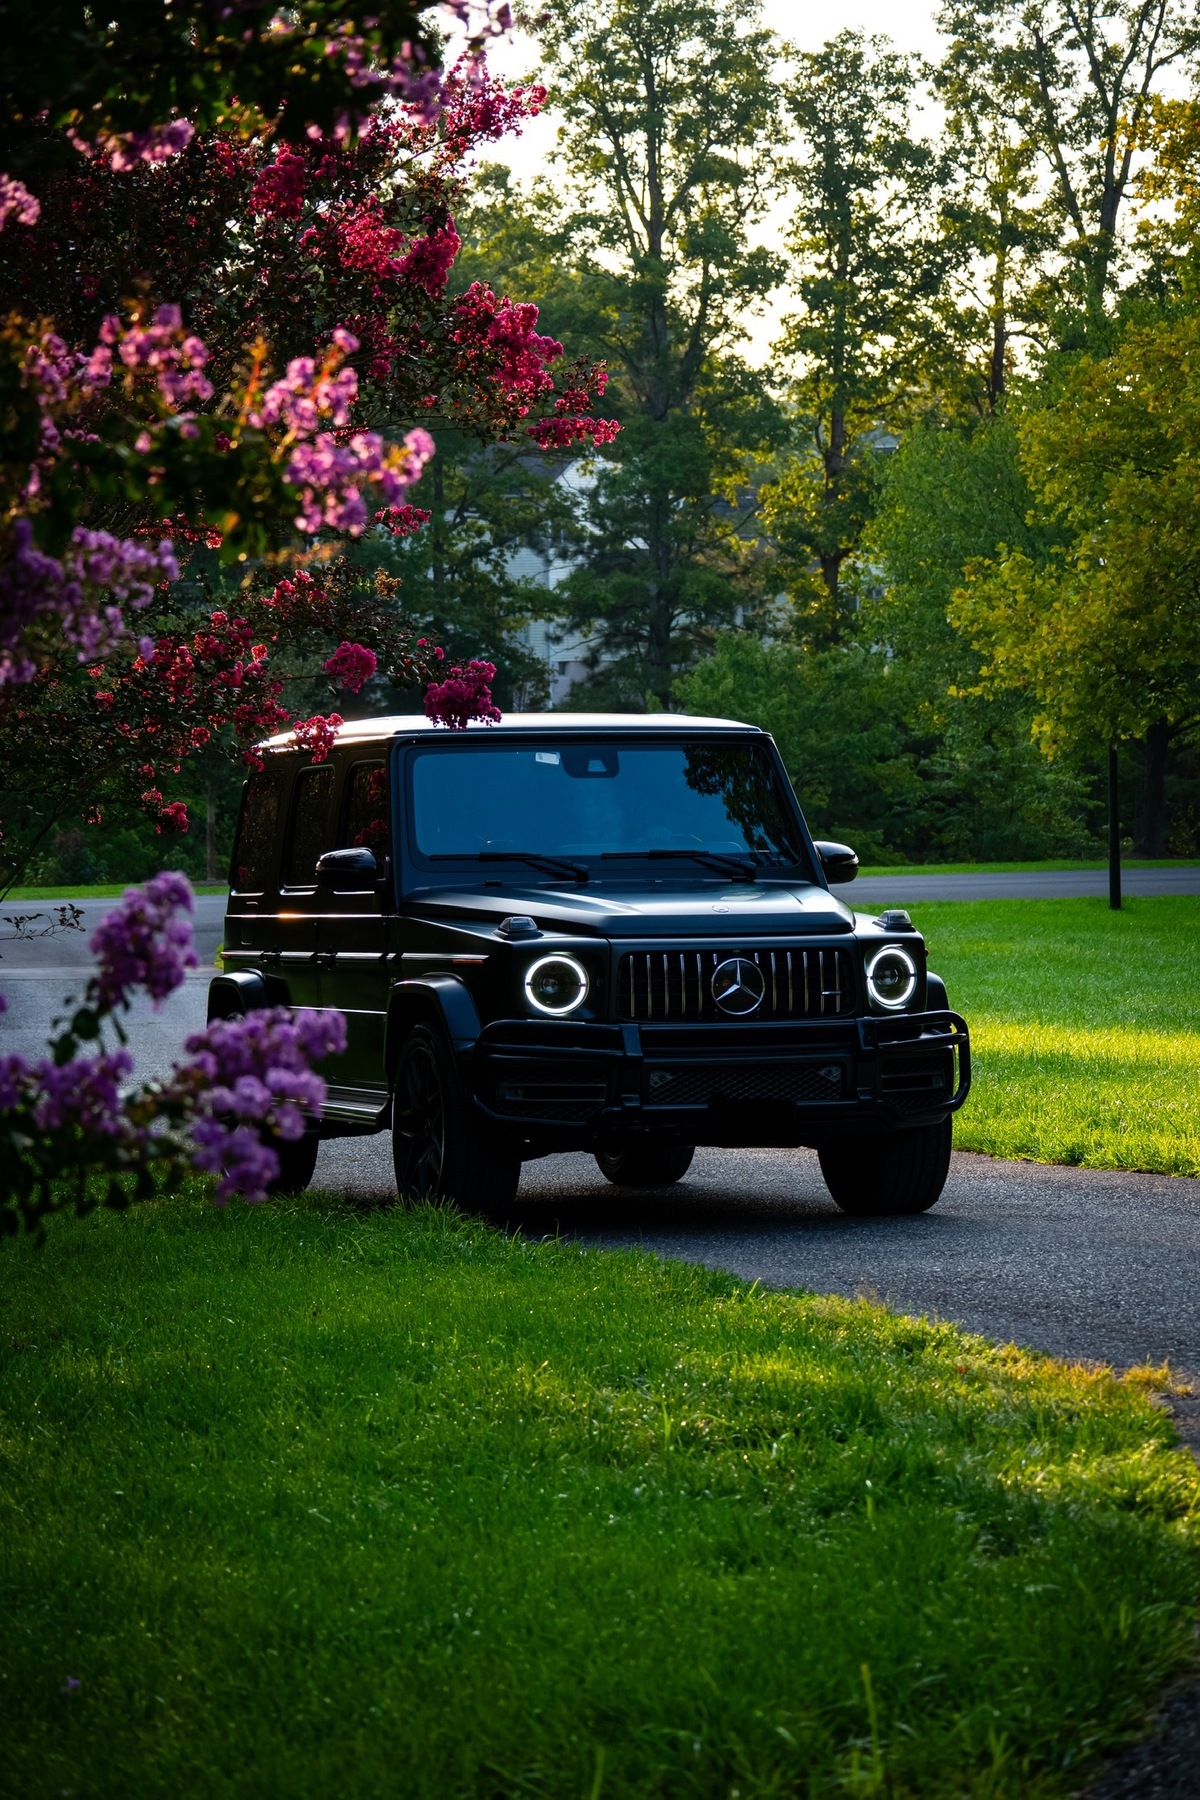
[[247, 1087], [85, 1093], [331, 477], [255, 1083], [16, 202], [161, 348], [332, 474], [36, 589], [143, 944], [125, 149]]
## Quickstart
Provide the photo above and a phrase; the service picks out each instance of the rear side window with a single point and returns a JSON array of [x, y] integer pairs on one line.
[[251, 869], [367, 819], [309, 837]]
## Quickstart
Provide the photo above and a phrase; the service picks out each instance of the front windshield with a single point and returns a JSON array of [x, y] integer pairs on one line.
[[596, 802]]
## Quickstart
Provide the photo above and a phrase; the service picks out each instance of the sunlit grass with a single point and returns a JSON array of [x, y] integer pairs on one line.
[[298, 1502], [1085, 1027]]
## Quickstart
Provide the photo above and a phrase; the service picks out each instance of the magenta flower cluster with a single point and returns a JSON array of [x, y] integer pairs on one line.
[[350, 665], [464, 695], [258, 1085], [318, 735]]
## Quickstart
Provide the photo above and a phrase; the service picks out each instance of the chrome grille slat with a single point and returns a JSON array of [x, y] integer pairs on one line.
[[675, 985]]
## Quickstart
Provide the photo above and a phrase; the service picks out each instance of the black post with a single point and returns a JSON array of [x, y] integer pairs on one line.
[[1114, 834]]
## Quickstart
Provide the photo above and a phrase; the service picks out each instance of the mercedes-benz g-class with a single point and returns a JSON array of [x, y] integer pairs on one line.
[[585, 932]]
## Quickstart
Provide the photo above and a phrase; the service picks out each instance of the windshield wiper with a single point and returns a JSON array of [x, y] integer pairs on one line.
[[726, 865], [554, 865]]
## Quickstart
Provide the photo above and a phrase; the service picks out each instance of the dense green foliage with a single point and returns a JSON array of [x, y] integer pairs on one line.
[[301, 1501]]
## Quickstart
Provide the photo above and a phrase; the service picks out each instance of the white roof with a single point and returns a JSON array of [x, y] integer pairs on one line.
[[404, 724]]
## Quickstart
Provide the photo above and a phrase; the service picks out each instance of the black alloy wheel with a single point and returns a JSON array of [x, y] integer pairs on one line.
[[438, 1149], [889, 1173], [646, 1165], [297, 1162]]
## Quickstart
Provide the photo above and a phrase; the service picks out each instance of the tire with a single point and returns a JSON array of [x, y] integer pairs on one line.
[[438, 1151], [297, 1163], [895, 1172], [646, 1165]]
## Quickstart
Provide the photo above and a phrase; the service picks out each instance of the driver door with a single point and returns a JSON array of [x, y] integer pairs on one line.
[[353, 955]]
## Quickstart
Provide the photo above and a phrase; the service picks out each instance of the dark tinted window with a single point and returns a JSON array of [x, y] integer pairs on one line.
[[310, 825], [252, 866], [367, 819], [591, 799]]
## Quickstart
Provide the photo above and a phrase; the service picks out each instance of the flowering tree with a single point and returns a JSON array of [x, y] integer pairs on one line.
[[76, 1133], [333, 230]]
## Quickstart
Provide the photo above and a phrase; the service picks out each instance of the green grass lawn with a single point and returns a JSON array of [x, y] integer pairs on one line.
[[107, 890], [315, 1503], [1085, 1027], [1015, 868]]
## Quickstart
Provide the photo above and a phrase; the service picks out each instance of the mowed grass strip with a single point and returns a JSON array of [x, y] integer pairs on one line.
[[311, 1503], [1085, 1027]]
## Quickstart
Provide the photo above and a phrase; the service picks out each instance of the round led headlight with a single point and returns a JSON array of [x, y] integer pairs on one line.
[[891, 977], [556, 985]]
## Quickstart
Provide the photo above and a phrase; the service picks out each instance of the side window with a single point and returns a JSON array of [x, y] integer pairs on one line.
[[367, 819], [309, 835], [251, 865]]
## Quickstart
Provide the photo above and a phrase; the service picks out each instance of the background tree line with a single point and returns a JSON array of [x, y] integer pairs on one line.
[[937, 542]]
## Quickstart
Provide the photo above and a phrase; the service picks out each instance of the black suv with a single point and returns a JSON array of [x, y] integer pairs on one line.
[[586, 932]]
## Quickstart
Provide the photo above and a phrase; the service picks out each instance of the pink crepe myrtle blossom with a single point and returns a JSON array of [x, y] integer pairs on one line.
[[351, 665], [464, 695], [17, 203], [402, 521], [318, 735]]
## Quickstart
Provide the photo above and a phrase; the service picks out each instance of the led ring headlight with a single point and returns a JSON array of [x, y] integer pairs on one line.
[[556, 985], [891, 978]]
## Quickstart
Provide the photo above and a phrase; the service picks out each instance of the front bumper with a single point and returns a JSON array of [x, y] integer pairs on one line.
[[554, 1085]]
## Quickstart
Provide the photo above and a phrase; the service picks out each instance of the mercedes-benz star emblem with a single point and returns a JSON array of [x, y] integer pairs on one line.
[[738, 986]]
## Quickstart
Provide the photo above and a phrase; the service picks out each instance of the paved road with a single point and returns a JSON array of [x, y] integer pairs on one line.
[[1043, 884]]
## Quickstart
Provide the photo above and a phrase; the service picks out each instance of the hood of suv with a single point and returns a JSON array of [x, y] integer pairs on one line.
[[713, 910]]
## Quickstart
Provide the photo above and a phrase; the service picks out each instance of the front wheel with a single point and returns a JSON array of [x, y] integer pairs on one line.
[[297, 1162], [438, 1150], [646, 1165], [895, 1172]]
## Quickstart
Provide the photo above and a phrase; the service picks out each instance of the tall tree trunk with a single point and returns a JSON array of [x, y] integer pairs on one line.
[[1153, 834], [211, 871], [997, 371]]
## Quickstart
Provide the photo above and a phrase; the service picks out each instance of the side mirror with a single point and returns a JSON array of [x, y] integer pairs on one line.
[[838, 861], [351, 871]]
